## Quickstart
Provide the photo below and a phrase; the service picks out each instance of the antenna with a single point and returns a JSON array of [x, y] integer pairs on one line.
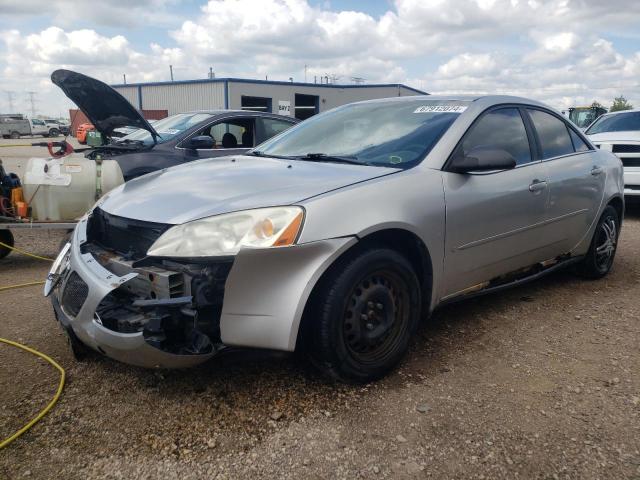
[[171, 71], [32, 101], [305, 72], [124, 78]]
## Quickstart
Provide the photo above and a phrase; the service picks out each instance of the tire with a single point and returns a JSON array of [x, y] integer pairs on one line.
[[599, 259], [363, 315], [15, 135], [6, 237], [54, 132]]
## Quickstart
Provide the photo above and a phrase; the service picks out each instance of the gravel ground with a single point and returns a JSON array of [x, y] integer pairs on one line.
[[541, 381]]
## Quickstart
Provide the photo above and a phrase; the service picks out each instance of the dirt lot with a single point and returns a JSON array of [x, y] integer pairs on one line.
[[542, 381]]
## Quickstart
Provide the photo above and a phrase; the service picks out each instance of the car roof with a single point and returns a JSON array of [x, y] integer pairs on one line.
[[226, 111], [486, 100], [633, 110]]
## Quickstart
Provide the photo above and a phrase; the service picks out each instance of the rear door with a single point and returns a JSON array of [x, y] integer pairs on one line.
[[493, 219], [576, 180]]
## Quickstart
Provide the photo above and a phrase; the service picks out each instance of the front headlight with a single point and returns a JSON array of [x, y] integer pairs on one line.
[[226, 234]]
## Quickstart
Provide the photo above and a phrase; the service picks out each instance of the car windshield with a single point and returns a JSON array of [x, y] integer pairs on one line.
[[382, 133], [620, 122], [167, 128]]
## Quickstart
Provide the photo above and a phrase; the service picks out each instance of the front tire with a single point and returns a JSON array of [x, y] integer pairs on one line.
[[363, 315], [6, 237], [599, 259]]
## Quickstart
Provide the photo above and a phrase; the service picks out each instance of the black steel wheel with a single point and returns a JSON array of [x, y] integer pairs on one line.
[[6, 237], [363, 315], [599, 259]]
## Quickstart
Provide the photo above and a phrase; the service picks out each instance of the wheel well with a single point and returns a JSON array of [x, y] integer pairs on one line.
[[404, 242], [617, 203]]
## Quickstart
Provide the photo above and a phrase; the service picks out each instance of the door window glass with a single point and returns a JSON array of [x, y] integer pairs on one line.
[[272, 127], [578, 144], [235, 133], [553, 134], [501, 129]]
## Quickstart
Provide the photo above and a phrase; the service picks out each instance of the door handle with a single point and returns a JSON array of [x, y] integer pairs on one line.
[[597, 171], [537, 185]]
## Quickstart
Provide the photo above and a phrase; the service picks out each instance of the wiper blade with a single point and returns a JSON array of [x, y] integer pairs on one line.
[[323, 157], [258, 153]]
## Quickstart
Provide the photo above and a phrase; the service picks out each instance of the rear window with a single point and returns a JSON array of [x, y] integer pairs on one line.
[[620, 122], [553, 134]]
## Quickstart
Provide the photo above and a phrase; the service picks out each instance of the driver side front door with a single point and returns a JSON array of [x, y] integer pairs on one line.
[[494, 219]]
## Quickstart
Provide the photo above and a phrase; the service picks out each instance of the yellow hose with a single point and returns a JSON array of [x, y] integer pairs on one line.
[[53, 401], [25, 253]]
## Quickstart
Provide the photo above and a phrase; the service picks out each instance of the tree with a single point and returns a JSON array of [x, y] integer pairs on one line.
[[596, 104], [620, 103]]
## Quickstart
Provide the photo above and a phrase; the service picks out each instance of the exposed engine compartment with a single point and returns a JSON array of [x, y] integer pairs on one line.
[[176, 305]]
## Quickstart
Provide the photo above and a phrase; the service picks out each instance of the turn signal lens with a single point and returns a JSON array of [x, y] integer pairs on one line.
[[288, 236]]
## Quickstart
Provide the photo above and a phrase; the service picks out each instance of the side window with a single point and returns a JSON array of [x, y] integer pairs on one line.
[[502, 129], [578, 144], [235, 133], [270, 127], [553, 134]]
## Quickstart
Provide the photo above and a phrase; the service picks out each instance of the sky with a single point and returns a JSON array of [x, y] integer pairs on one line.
[[562, 52]]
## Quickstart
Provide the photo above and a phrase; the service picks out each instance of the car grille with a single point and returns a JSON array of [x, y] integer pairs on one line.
[[631, 161], [621, 148], [74, 294], [125, 236]]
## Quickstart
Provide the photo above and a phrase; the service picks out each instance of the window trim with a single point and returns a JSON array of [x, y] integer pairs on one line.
[[567, 126], [530, 138]]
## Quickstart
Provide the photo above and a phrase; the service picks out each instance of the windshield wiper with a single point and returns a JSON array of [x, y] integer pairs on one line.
[[258, 153], [323, 157]]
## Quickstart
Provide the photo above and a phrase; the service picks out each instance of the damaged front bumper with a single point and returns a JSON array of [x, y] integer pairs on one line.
[[167, 314]]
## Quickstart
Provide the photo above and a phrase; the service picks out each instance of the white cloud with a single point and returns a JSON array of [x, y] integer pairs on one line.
[[560, 51]]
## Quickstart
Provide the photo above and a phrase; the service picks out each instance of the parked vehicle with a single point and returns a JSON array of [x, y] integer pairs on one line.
[[171, 141], [55, 128], [619, 132], [14, 127], [81, 132], [585, 116], [332, 237]]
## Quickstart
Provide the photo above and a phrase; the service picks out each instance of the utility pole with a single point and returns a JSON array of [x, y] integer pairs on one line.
[[32, 101], [171, 71], [305, 72], [10, 98]]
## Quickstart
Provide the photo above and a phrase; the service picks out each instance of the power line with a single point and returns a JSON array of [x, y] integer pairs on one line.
[[10, 99], [32, 101]]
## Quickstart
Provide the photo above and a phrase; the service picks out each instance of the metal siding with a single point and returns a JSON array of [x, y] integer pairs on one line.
[[329, 97], [131, 94], [180, 98]]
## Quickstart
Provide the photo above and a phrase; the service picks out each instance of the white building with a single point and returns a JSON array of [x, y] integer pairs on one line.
[[301, 100]]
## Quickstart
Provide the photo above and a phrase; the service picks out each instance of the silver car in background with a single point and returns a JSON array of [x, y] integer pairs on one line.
[[338, 235]]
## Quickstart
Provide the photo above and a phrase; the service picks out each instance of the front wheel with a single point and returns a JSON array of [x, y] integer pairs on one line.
[[6, 238], [599, 259], [363, 316]]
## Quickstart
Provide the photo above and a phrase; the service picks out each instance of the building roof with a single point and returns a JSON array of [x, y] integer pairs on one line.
[[267, 82]]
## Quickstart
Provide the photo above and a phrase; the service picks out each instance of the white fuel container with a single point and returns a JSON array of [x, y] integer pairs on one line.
[[63, 189]]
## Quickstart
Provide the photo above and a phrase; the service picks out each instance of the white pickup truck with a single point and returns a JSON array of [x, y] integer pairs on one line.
[[15, 127]]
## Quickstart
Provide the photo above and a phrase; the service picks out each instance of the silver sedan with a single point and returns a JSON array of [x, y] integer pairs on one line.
[[337, 236]]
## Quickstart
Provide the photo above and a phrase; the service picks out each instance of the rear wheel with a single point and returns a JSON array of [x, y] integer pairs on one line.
[[363, 316], [604, 243], [15, 135], [6, 237]]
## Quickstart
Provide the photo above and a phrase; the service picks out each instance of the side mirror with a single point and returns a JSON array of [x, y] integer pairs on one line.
[[200, 142], [483, 158]]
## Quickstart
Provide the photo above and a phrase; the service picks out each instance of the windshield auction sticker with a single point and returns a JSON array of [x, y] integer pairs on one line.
[[440, 109]]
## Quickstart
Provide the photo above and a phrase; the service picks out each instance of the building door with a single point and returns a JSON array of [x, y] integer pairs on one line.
[[306, 106]]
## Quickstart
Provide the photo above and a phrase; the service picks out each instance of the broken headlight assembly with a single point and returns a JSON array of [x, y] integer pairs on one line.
[[224, 235]]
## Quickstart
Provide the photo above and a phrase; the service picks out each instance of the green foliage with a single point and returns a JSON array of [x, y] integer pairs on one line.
[[620, 103]]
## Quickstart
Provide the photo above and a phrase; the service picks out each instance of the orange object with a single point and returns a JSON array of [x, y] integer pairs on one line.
[[21, 209], [81, 133], [17, 195], [290, 233]]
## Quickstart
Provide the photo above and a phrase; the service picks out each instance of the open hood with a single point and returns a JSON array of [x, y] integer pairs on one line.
[[105, 108]]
